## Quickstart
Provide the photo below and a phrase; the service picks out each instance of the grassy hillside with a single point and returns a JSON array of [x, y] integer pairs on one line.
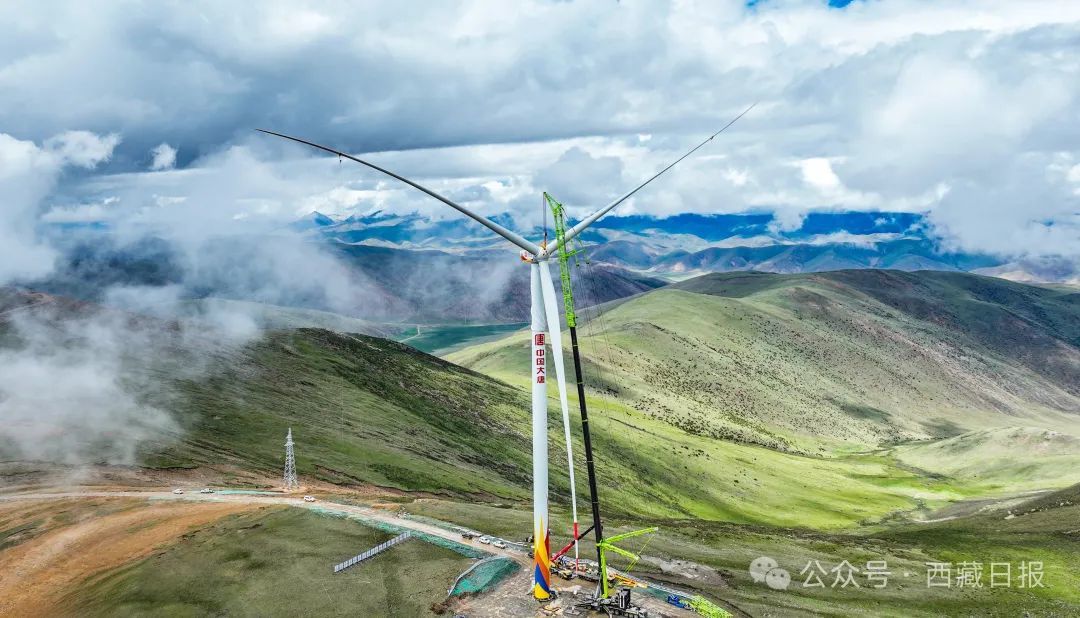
[[813, 361], [371, 411], [805, 365], [362, 409], [276, 563], [851, 407], [367, 411], [1020, 457], [1043, 529]]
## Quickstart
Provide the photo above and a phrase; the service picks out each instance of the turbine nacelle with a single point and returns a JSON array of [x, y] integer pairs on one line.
[[535, 258]]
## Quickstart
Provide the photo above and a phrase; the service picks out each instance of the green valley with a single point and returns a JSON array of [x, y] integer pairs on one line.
[[831, 417]]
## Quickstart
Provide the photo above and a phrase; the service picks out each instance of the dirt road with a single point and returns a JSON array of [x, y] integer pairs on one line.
[[298, 502], [37, 572]]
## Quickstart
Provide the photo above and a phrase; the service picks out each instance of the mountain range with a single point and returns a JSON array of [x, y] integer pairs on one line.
[[409, 269], [691, 244]]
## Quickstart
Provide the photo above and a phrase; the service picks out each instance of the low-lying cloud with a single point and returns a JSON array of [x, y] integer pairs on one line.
[[91, 383], [70, 391]]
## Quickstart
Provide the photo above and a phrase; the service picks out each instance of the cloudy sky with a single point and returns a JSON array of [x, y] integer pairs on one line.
[[144, 113]]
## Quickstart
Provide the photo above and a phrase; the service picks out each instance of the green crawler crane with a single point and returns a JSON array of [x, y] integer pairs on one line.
[[565, 255], [619, 604]]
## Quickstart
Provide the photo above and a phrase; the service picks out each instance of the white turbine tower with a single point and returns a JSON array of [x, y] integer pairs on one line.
[[545, 322]]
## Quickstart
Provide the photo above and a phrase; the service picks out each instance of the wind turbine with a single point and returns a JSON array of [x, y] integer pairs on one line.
[[544, 320]]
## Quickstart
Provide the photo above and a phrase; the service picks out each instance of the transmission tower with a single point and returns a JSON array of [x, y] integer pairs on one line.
[[290, 464]]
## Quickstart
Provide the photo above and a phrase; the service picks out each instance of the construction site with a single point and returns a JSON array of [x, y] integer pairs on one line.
[[676, 309], [705, 447], [592, 586], [528, 574]]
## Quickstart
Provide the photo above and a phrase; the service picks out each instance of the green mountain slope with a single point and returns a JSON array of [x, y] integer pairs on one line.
[[828, 364], [800, 363], [367, 411], [370, 411], [363, 410], [862, 358], [1023, 457]]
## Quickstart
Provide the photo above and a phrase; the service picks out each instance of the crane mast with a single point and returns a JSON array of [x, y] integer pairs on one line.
[[565, 254]]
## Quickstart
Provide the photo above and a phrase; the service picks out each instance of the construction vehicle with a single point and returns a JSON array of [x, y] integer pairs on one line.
[[618, 604], [563, 566], [567, 255], [582, 568], [620, 580], [588, 575], [677, 601], [564, 571], [603, 600], [607, 545]]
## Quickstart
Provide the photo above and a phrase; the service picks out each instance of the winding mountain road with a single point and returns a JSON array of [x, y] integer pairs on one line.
[[297, 502]]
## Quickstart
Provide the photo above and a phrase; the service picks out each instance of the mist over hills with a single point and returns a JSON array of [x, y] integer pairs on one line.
[[369, 282], [408, 269]]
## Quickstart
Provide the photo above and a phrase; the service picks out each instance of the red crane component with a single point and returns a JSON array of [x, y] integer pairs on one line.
[[570, 545]]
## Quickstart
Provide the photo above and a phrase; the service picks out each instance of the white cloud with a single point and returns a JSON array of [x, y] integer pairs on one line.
[[897, 105], [866, 241], [818, 173], [29, 173], [82, 148], [739, 178], [65, 392], [580, 178], [787, 220], [164, 157]]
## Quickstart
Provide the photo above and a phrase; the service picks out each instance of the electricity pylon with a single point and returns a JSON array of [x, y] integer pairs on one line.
[[290, 464]]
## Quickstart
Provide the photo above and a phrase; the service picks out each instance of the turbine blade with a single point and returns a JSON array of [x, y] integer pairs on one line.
[[482, 220], [587, 221]]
